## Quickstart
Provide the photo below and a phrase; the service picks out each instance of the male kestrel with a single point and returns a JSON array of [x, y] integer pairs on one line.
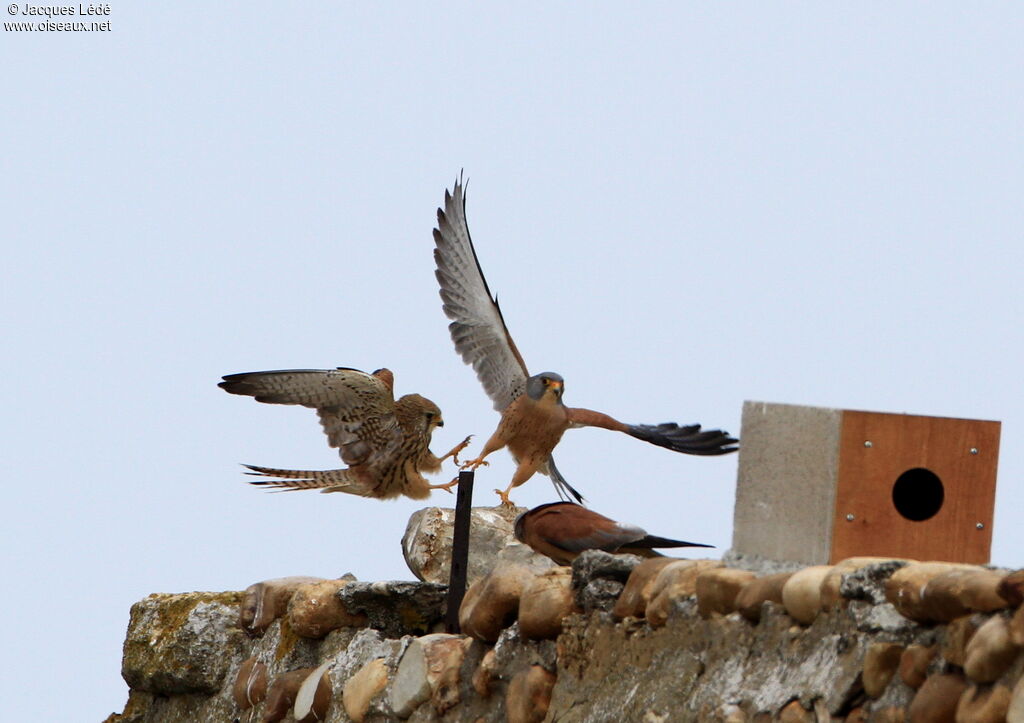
[[533, 417], [563, 530], [385, 443]]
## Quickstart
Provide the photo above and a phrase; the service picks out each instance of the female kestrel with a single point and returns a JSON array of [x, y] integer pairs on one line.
[[563, 530], [533, 417], [385, 443]]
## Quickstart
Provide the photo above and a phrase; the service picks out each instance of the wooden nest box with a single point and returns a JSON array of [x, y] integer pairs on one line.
[[819, 485]]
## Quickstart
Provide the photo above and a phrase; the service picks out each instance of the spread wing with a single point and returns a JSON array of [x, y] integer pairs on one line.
[[690, 439], [477, 326], [356, 410]]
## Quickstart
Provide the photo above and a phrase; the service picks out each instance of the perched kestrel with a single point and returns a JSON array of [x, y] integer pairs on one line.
[[533, 417], [563, 530], [385, 443]]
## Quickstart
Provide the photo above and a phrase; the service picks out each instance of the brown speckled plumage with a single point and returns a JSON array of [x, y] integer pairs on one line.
[[386, 443]]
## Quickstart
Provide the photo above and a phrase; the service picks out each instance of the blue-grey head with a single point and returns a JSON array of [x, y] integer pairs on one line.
[[545, 384]]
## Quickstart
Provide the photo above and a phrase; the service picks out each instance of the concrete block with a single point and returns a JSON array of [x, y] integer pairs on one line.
[[818, 485]]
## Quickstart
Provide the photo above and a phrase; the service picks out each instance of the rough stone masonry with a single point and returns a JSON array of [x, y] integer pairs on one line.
[[613, 638]]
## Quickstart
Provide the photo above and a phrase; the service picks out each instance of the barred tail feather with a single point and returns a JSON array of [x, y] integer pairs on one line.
[[331, 480]]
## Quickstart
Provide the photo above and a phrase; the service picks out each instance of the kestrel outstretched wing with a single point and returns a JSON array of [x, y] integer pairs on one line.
[[689, 439], [356, 409], [477, 328]]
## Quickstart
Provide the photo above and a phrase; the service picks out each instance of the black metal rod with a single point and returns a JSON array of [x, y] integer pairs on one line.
[[460, 551]]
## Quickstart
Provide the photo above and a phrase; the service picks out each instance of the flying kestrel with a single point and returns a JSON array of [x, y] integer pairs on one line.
[[385, 443], [533, 417], [563, 530]]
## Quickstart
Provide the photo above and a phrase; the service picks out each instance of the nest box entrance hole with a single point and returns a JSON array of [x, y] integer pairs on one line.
[[918, 494]]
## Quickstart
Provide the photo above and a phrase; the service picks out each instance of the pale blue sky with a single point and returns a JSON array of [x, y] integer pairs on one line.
[[681, 206]]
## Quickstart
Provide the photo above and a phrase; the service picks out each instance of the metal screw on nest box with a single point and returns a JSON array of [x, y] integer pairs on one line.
[[974, 450], [980, 525], [850, 517], [867, 443]]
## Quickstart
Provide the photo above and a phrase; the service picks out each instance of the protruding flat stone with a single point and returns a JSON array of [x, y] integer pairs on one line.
[[396, 607]]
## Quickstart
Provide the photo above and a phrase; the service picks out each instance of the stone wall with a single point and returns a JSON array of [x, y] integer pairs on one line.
[[613, 639]]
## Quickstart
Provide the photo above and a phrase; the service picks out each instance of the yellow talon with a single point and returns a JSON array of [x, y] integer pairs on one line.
[[447, 486], [459, 447], [474, 463]]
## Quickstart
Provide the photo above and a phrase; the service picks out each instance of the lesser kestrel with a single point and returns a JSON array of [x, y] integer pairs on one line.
[[563, 530], [386, 443], [533, 417]]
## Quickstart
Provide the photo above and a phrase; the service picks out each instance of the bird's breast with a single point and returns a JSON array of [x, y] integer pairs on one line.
[[534, 429]]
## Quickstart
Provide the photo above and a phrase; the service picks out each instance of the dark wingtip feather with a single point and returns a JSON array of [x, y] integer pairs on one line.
[[652, 541], [237, 384], [687, 440]]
